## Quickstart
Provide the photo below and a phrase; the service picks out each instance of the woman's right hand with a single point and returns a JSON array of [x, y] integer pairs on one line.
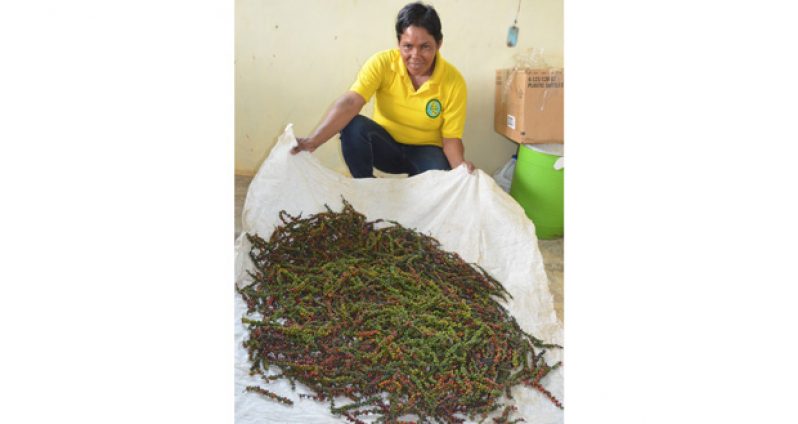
[[342, 111], [305, 144]]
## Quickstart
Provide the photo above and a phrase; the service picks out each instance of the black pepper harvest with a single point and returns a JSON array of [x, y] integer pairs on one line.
[[379, 314]]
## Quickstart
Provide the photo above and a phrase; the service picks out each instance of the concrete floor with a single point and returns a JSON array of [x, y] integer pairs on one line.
[[552, 250]]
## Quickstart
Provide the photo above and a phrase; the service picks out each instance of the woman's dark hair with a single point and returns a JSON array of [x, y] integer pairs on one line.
[[420, 15]]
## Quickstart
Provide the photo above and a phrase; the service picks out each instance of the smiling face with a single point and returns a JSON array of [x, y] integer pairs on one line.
[[418, 49]]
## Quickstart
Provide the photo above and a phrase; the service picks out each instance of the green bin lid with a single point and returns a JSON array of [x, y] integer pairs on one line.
[[554, 149]]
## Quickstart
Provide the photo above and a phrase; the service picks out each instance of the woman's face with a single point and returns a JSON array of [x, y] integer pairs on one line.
[[418, 49]]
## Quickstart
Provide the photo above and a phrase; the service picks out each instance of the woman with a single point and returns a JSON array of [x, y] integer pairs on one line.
[[420, 109]]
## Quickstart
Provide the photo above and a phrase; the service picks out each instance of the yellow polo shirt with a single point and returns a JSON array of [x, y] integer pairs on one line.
[[424, 117]]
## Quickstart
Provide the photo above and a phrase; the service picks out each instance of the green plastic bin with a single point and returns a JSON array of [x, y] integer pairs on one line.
[[538, 187]]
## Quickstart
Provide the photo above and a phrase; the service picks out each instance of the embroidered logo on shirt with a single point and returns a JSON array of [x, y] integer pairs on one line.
[[433, 108]]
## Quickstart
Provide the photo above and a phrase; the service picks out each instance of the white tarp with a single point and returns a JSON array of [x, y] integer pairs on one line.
[[468, 213]]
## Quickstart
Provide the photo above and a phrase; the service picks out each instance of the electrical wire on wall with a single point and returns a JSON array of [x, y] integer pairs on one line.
[[512, 34]]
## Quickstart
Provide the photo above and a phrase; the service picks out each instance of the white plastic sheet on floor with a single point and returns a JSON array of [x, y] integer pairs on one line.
[[468, 213]]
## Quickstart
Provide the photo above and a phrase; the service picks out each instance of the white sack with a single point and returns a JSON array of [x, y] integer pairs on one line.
[[468, 213]]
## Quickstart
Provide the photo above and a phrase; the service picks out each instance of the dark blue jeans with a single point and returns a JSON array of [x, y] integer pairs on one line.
[[366, 145]]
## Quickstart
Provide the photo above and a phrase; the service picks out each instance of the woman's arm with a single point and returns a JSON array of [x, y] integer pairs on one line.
[[342, 111], [455, 153]]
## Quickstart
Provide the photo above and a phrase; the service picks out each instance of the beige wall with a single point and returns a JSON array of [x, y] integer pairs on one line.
[[293, 58]]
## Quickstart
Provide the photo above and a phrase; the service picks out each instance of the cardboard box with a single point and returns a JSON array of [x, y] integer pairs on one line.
[[529, 105]]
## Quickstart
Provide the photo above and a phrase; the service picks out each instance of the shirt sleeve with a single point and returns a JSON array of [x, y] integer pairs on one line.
[[370, 77], [454, 112]]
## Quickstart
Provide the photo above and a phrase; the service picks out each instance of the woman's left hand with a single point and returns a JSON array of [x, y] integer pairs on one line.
[[469, 165]]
